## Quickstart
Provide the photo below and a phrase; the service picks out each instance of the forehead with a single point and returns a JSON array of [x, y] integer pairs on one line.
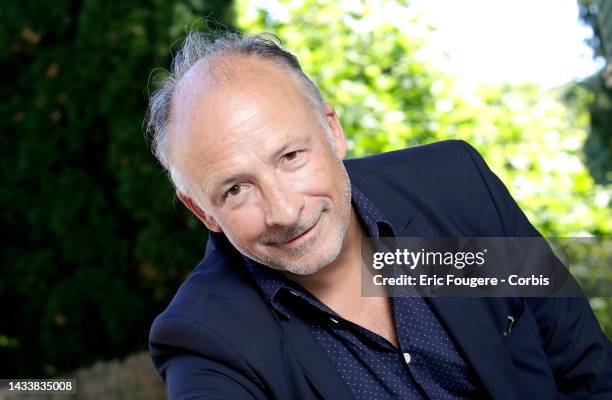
[[226, 112]]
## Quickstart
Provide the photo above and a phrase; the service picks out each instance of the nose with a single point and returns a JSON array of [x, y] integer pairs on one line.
[[283, 204]]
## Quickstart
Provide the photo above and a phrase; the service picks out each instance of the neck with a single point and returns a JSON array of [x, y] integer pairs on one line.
[[338, 285]]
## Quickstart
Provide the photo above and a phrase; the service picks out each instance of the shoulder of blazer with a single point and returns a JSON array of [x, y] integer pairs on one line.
[[445, 173], [443, 185], [426, 155], [210, 314]]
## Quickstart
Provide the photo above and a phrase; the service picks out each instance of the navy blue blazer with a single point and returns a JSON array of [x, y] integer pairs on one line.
[[218, 338]]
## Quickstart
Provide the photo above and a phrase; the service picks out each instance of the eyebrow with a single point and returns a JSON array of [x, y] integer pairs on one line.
[[231, 179], [285, 147]]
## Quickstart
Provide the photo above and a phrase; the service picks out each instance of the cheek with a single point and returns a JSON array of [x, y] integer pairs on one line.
[[323, 179], [310, 183], [317, 179], [245, 224]]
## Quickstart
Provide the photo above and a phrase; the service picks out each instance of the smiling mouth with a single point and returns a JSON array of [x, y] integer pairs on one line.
[[303, 236]]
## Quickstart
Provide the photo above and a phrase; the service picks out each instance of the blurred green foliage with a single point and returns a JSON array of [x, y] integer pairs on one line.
[[598, 146], [93, 248], [376, 75], [588, 11]]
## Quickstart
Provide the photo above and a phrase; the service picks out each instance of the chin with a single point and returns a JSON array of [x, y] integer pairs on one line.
[[294, 266], [305, 271], [311, 265]]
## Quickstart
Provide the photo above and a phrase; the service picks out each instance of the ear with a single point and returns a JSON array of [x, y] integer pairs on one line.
[[206, 219], [336, 129]]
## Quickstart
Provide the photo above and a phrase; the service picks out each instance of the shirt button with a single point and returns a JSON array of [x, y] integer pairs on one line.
[[407, 358]]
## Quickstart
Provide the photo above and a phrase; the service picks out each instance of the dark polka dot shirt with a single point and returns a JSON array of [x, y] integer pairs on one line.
[[427, 364]]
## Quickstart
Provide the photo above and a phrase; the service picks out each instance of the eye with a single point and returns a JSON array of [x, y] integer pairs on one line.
[[291, 155], [233, 191]]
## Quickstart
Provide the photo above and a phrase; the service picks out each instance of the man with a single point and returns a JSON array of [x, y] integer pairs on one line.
[[275, 311]]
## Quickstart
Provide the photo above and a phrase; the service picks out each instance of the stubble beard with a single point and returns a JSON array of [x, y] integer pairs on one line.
[[288, 263]]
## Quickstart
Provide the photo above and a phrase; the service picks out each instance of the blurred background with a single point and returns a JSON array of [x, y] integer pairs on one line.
[[95, 244]]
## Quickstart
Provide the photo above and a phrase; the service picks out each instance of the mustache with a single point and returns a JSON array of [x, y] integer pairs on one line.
[[284, 235]]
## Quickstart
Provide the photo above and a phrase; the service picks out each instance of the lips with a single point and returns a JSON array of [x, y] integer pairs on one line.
[[303, 233], [297, 240]]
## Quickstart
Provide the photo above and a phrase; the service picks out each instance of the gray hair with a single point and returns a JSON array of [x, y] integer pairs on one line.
[[198, 46]]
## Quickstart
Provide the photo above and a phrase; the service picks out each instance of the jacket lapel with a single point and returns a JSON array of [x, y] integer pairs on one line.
[[316, 365], [468, 323]]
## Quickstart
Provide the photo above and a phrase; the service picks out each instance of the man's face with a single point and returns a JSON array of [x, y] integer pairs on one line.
[[261, 166]]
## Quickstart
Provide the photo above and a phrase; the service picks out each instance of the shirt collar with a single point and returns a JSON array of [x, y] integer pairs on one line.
[[272, 282]]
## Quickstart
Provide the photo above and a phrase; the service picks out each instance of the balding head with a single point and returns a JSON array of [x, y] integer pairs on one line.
[[219, 97], [205, 62]]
